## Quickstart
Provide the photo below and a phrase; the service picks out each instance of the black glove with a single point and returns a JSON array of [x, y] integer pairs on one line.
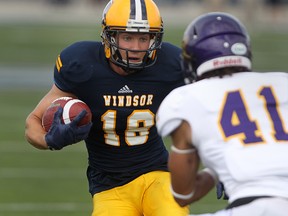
[[220, 191], [61, 135]]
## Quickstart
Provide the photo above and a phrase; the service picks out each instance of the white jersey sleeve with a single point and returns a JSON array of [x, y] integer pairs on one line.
[[169, 115]]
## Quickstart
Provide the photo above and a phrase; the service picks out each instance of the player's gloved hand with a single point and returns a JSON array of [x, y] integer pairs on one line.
[[61, 135], [220, 191]]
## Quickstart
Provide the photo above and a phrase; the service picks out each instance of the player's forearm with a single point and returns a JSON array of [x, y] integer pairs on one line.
[[34, 132], [203, 185], [183, 179]]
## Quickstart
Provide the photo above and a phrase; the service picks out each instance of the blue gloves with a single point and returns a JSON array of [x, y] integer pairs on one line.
[[220, 191], [61, 135]]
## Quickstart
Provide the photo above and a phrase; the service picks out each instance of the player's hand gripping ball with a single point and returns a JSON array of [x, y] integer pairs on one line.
[[71, 108]]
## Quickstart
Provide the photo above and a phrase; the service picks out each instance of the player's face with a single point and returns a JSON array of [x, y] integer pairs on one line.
[[135, 43]]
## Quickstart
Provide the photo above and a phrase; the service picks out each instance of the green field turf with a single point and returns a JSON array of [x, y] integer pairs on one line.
[[40, 44], [34, 182]]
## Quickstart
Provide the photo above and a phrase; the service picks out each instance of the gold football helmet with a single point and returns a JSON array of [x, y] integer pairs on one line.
[[133, 16]]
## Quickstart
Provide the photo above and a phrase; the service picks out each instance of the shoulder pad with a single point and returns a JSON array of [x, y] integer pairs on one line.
[[75, 63]]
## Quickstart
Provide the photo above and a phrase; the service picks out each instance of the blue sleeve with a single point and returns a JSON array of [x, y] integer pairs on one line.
[[73, 66]]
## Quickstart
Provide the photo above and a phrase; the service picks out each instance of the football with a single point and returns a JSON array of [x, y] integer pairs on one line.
[[71, 108]]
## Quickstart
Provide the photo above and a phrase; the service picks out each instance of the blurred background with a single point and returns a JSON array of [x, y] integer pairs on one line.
[[32, 34]]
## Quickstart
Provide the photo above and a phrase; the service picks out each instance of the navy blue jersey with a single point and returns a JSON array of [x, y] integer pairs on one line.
[[123, 142]]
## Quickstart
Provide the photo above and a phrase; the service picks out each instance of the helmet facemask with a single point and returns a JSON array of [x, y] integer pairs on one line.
[[113, 49], [190, 74]]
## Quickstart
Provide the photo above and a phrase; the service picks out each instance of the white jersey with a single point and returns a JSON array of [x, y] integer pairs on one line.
[[239, 125]]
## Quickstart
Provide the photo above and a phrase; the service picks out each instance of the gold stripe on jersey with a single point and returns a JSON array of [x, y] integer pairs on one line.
[[58, 63]]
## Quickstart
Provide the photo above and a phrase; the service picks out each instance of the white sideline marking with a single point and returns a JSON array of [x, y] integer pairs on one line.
[[51, 207], [42, 173], [9, 146], [67, 207]]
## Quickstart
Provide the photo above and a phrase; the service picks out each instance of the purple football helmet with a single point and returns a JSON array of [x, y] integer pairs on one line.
[[212, 41]]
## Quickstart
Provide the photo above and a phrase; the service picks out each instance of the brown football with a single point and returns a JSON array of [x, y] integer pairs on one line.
[[71, 108]]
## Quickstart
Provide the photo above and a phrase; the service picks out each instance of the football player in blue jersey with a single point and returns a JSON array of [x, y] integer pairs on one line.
[[123, 80]]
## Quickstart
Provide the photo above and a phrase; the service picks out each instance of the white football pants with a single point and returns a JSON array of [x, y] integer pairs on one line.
[[260, 207]]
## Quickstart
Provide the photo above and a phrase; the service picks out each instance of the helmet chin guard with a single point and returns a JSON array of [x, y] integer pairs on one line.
[[131, 16], [213, 41]]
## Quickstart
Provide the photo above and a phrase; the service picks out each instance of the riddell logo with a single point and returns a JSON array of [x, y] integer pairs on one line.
[[227, 61]]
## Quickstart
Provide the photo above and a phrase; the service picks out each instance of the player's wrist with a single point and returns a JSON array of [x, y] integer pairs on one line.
[[51, 145], [181, 196]]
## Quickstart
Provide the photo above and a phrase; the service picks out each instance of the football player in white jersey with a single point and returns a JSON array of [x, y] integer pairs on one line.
[[233, 120]]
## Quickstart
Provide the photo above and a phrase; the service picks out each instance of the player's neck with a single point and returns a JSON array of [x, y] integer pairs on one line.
[[118, 69]]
